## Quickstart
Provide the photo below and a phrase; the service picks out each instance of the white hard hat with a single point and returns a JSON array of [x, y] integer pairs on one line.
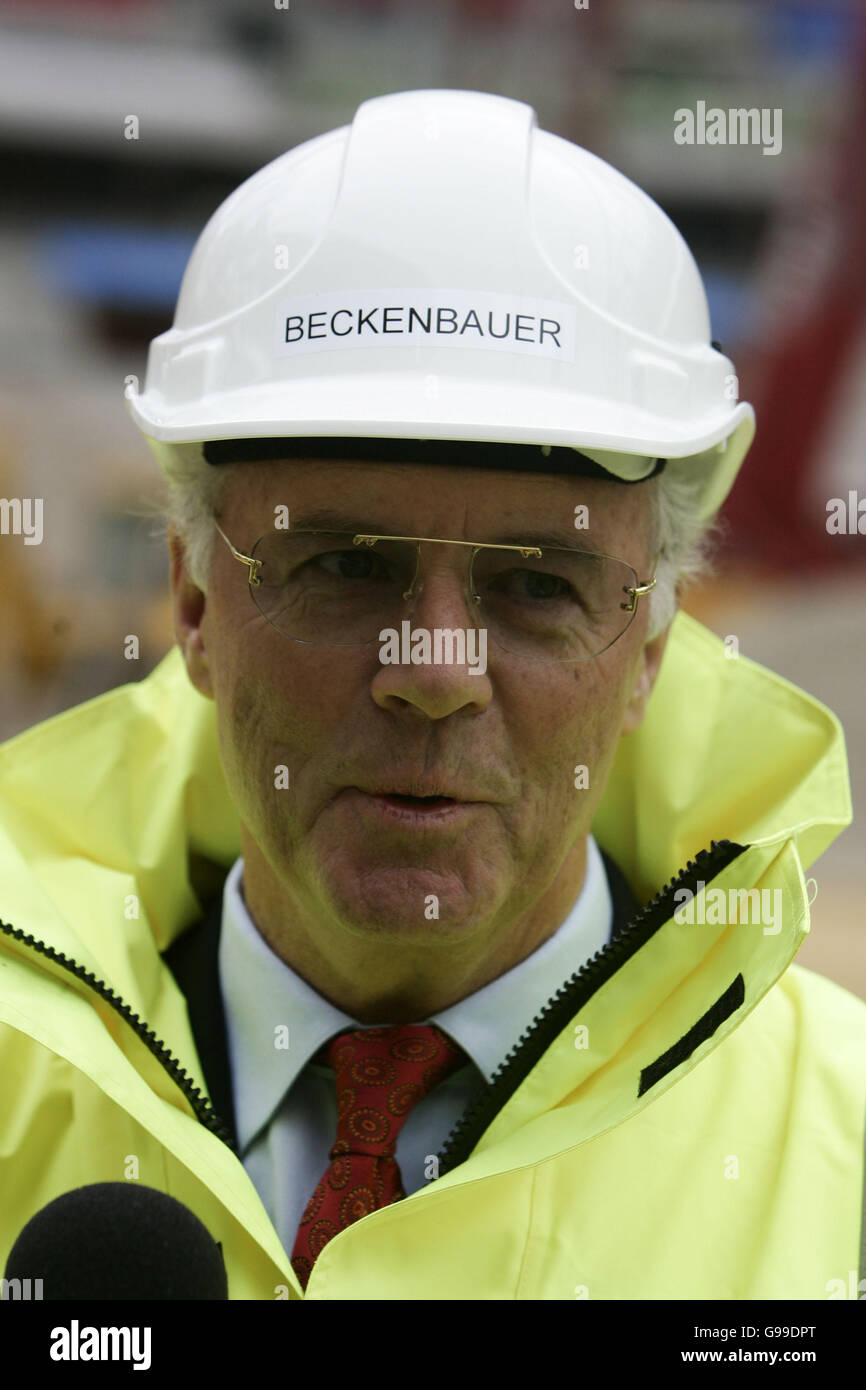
[[444, 270]]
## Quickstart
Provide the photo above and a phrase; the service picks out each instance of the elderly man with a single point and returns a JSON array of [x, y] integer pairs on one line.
[[414, 923]]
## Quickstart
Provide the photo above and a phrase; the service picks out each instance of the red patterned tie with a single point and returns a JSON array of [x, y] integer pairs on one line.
[[380, 1074]]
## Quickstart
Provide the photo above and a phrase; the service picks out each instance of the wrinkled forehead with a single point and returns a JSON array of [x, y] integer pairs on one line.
[[441, 500]]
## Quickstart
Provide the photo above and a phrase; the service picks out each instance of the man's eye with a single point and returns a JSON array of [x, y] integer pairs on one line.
[[348, 564], [533, 584]]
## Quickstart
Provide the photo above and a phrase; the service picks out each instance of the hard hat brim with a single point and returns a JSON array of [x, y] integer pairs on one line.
[[405, 405]]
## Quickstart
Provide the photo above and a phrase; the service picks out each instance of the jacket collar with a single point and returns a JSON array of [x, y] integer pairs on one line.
[[193, 959]]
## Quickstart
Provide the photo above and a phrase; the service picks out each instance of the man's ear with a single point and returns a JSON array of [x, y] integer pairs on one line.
[[648, 668], [188, 606]]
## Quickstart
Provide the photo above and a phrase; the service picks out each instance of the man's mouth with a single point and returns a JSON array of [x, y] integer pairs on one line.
[[409, 808], [418, 802]]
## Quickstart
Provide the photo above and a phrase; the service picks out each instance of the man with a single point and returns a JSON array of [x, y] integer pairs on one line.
[[439, 892]]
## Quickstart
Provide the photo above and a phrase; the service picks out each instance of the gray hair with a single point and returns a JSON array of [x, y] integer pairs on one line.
[[682, 539]]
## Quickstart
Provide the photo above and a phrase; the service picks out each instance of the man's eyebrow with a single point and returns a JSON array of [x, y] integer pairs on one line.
[[326, 519], [540, 539], [330, 520]]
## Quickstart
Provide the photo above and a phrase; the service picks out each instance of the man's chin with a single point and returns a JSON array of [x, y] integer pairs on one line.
[[405, 902]]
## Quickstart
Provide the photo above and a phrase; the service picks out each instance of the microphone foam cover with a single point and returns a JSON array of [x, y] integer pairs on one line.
[[119, 1240]]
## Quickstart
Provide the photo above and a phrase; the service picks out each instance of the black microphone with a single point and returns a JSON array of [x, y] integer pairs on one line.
[[118, 1240]]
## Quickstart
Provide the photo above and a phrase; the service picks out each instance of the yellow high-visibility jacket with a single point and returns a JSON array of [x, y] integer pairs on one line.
[[685, 1119]]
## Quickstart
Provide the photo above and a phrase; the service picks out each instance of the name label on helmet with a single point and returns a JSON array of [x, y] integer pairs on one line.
[[437, 318]]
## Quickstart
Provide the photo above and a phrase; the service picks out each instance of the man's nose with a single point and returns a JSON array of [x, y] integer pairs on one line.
[[441, 595], [429, 679]]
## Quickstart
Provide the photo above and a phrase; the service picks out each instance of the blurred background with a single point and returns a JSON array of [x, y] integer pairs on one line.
[[123, 125]]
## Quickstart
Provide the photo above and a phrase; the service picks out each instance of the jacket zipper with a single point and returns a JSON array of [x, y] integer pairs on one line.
[[573, 995], [204, 1111], [544, 1028]]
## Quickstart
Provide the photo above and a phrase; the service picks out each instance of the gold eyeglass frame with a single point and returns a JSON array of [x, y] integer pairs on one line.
[[635, 591]]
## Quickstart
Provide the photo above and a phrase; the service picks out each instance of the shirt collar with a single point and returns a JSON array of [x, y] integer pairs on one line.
[[276, 1022]]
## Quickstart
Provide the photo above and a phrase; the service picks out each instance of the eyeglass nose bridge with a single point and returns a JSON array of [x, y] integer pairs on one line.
[[418, 541], [416, 585], [370, 541]]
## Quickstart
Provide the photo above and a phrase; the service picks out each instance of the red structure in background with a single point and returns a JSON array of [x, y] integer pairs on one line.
[[793, 377]]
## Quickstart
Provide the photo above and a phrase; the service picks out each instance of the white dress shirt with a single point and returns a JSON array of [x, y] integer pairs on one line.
[[285, 1105]]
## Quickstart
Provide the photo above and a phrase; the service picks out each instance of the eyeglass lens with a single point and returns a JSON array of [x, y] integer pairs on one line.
[[320, 588]]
